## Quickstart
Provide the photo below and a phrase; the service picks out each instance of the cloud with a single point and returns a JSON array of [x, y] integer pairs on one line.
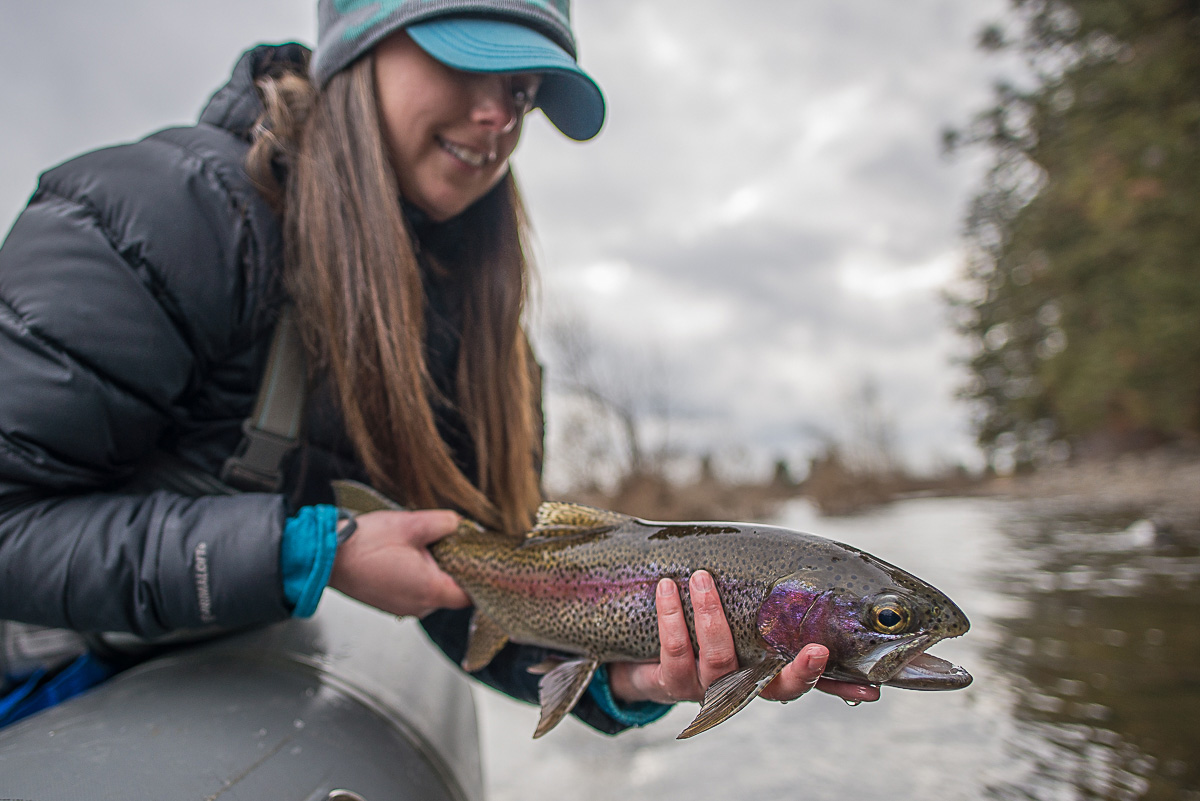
[[772, 168], [79, 75]]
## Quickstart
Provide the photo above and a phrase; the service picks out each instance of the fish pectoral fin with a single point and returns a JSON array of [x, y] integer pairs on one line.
[[360, 499], [485, 638], [556, 518], [729, 695], [560, 689]]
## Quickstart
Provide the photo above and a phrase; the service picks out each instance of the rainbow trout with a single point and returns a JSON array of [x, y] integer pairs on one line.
[[583, 582]]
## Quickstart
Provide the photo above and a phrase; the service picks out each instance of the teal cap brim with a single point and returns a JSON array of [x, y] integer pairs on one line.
[[568, 96]]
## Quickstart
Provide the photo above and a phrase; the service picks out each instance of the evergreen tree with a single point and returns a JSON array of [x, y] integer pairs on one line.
[[1084, 274]]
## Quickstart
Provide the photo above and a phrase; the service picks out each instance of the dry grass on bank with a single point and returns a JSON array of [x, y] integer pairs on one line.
[[832, 488], [1162, 486], [654, 498]]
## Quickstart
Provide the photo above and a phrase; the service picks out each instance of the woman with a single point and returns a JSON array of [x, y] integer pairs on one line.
[[367, 187]]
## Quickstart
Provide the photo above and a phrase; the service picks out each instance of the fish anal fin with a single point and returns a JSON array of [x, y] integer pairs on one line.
[[360, 499], [485, 638], [557, 518], [729, 695], [560, 689]]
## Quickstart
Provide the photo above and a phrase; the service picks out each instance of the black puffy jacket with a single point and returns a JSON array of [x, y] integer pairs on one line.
[[138, 293]]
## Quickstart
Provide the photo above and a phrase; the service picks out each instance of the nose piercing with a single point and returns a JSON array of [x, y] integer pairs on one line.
[[516, 107]]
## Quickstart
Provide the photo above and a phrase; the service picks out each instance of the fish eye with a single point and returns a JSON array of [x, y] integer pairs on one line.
[[888, 616]]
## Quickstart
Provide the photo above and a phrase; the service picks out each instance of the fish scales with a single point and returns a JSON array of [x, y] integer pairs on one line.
[[594, 592]]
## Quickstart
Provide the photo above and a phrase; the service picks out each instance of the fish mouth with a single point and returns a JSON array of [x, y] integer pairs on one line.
[[903, 663], [928, 672]]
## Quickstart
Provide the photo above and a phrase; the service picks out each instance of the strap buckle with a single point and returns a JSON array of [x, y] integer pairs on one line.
[[257, 465]]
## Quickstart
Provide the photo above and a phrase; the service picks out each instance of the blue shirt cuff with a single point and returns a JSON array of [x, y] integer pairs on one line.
[[309, 546], [636, 714]]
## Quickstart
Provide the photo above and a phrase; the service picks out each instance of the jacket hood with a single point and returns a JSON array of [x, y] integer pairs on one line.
[[236, 105]]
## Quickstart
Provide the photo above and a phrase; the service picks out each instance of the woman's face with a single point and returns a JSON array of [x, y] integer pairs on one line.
[[449, 133]]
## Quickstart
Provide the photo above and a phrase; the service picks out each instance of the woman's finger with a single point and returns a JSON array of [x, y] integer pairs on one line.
[[677, 661], [714, 639], [443, 593], [848, 691], [804, 673], [424, 527], [800, 675]]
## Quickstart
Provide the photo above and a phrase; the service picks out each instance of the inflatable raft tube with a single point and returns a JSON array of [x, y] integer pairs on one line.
[[349, 704]]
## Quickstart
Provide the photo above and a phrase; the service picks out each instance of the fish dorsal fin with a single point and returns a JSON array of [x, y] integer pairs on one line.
[[557, 518], [360, 499]]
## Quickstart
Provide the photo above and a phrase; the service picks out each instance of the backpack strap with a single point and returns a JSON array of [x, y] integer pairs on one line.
[[272, 431]]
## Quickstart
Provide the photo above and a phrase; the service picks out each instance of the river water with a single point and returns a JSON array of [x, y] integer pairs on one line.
[[1084, 645]]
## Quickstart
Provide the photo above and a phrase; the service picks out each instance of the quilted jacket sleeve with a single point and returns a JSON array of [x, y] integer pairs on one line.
[[123, 290]]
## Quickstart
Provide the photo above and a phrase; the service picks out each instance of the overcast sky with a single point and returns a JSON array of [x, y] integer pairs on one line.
[[765, 218]]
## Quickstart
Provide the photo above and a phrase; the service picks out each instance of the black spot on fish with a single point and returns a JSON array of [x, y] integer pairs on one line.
[[672, 532]]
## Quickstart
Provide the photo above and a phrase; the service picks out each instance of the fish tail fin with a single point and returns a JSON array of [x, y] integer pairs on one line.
[[360, 499], [560, 689], [729, 695]]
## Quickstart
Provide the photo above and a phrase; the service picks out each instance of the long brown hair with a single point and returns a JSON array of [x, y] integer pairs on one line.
[[353, 274]]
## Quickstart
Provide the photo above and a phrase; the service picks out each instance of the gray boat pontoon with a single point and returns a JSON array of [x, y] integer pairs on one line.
[[349, 704]]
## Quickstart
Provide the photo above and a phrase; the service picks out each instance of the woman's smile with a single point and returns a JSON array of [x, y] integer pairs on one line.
[[472, 157]]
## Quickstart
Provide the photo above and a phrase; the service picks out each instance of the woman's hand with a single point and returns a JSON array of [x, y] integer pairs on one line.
[[680, 676], [386, 563]]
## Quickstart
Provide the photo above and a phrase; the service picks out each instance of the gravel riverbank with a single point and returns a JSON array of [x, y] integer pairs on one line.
[[1162, 487]]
